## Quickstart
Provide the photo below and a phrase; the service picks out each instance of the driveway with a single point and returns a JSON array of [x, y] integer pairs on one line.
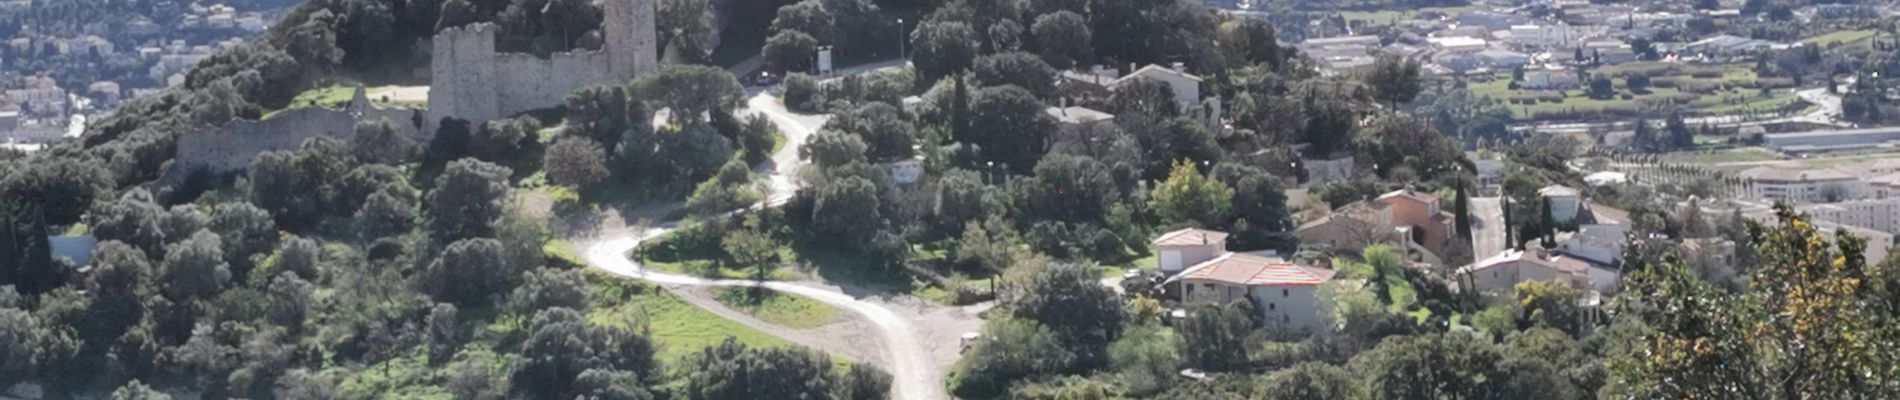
[[1487, 227]]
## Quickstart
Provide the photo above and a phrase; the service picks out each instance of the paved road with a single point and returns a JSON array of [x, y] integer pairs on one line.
[[1487, 227], [908, 358]]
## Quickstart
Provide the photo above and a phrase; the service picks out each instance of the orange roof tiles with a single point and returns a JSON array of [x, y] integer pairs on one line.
[[1190, 237], [1252, 270]]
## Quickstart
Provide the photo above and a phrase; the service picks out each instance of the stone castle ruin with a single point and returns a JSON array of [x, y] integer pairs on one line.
[[471, 81], [229, 148]]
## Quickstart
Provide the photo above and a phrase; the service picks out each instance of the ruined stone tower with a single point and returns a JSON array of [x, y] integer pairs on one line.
[[471, 81], [628, 37]]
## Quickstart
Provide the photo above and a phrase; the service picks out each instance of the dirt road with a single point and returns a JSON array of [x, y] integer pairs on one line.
[[915, 356]]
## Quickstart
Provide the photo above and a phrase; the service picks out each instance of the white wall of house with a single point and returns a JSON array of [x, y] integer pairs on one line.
[[1603, 280], [1596, 242], [1173, 259], [1564, 208], [1291, 306]]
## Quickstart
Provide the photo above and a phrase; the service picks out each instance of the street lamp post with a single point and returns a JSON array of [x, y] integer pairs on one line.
[[900, 39]]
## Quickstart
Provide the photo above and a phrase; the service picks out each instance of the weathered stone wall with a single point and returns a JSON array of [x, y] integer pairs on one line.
[[230, 147], [553, 78], [471, 81]]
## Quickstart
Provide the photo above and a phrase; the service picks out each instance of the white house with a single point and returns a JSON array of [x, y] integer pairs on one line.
[[1458, 44], [1502, 273], [1541, 36], [1876, 214], [1564, 202], [1187, 87], [1285, 294], [1177, 250], [1504, 59], [1812, 186], [1550, 80]]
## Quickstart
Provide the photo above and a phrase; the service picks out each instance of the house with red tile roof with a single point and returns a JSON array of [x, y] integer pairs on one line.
[[1284, 293]]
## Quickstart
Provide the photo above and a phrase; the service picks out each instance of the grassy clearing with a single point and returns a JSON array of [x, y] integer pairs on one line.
[[335, 96], [679, 327], [1842, 37], [1720, 156], [655, 256], [563, 250], [1723, 89], [1383, 17], [1401, 290], [777, 308], [1843, 158]]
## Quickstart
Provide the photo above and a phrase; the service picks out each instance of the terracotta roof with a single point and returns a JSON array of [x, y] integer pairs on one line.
[[1190, 237], [1358, 210], [1252, 270]]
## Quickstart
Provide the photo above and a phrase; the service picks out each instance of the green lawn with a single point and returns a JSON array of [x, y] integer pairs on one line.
[[679, 327], [563, 250], [1843, 37], [334, 96], [1733, 100], [1754, 102], [1720, 156], [778, 308], [714, 267], [1402, 293], [1383, 17]]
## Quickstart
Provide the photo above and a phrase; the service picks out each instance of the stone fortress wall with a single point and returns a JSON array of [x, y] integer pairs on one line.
[[473, 82], [469, 81], [229, 148]]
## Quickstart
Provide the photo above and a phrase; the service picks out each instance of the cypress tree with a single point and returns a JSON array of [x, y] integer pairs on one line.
[[9, 245], [1549, 226], [37, 273], [959, 111], [1462, 213]]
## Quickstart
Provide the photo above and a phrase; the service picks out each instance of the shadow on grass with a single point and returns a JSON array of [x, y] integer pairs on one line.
[[857, 273]]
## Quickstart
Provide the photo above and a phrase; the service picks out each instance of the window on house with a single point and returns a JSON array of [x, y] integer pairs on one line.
[[1285, 293], [1270, 307]]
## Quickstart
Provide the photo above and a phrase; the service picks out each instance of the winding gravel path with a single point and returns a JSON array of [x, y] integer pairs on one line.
[[914, 374]]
